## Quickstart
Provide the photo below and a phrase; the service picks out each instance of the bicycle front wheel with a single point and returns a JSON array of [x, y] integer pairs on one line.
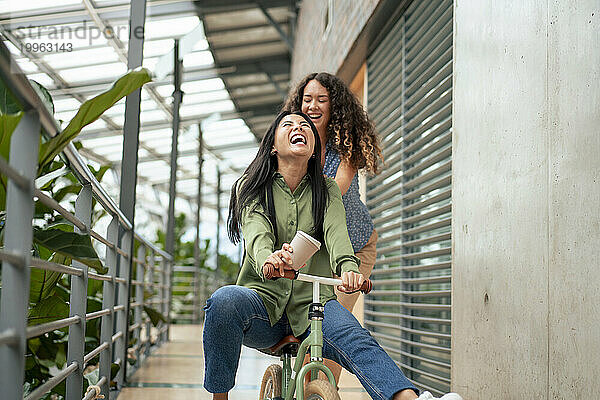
[[320, 390], [271, 383]]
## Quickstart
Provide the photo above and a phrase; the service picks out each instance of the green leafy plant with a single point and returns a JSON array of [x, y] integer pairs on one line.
[[54, 238]]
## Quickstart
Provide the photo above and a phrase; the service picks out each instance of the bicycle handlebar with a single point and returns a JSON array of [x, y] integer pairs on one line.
[[269, 272]]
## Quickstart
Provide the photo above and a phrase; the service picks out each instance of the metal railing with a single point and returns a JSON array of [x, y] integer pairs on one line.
[[192, 286], [152, 266]]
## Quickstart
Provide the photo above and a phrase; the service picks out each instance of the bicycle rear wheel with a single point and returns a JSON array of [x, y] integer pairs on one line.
[[320, 390], [271, 383]]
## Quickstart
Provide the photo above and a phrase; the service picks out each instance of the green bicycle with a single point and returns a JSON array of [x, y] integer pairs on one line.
[[281, 382]]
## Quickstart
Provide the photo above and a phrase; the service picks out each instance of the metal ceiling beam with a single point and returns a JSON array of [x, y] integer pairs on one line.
[[274, 65], [58, 79], [284, 36], [246, 44], [68, 15], [226, 147], [238, 28], [118, 46], [279, 90], [222, 6], [152, 126]]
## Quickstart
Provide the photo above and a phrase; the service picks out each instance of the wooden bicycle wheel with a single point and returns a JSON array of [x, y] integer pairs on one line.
[[320, 390], [271, 383]]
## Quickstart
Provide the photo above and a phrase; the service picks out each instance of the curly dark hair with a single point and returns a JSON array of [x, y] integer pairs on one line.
[[352, 131]]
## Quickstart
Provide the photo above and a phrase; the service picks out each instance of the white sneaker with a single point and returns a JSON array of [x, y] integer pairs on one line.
[[447, 396]]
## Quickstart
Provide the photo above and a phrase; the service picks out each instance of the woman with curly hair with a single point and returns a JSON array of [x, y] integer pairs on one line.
[[348, 143]]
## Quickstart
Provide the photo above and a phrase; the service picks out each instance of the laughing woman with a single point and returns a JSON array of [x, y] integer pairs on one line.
[[282, 191]]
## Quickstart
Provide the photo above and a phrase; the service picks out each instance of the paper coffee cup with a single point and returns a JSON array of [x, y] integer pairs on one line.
[[304, 247]]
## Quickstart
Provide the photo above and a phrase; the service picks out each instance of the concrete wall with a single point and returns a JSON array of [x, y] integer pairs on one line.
[[316, 50], [526, 200]]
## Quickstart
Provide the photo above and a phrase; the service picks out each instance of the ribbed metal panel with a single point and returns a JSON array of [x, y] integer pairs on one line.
[[410, 100]]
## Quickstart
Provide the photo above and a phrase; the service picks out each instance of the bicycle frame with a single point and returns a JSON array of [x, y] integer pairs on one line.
[[291, 382]]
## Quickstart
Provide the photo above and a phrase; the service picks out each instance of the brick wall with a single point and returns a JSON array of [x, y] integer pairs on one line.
[[317, 50]]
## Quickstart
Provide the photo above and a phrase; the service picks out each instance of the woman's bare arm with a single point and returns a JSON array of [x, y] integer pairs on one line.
[[344, 176]]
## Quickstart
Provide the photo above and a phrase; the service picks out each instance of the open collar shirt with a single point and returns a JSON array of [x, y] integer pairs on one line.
[[294, 212]]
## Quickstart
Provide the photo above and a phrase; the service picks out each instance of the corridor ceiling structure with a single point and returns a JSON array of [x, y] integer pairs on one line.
[[234, 81]]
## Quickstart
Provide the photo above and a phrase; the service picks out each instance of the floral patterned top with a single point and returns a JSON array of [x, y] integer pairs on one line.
[[359, 222]]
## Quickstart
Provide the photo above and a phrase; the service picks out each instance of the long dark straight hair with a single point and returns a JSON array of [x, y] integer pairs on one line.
[[257, 184]]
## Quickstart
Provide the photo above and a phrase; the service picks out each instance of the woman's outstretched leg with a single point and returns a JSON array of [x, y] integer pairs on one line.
[[235, 315], [353, 347]]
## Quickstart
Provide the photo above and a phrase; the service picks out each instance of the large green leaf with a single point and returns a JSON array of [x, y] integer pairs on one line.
[[42, 282], [8, 124], [154, 315], [91, 110], [50, 309], [8, 104], [44, 95], [74, 245]]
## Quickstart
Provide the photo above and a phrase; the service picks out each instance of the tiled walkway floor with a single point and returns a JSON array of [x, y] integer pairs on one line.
[[176, 371]]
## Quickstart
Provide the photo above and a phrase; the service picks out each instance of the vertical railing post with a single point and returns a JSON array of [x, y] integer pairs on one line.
[[196, 303], [123, 299], [150, 273], [78, 302], [219, 218], [108, 301], [139, 298], [165, 294], [17, 240]]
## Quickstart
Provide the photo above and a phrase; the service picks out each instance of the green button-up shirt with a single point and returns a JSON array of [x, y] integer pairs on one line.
[[294, 212]]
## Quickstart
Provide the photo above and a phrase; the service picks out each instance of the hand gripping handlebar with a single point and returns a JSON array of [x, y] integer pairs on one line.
[[270, 272]]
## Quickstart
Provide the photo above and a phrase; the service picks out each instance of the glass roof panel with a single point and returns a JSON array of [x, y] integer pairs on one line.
[[11, 6], [82, 74], [202, 85], [205, 97], [98, 124], [156, 48], [27, 66], [198, 59], [165, 90], [155, 134], [67, 104], [172, 27], [79, 57], [42, 79], [152, 115], [102, 141], [94, 63], [206, 108]]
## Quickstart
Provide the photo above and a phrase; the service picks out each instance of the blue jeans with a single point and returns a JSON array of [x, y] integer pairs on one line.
[[236, 315]]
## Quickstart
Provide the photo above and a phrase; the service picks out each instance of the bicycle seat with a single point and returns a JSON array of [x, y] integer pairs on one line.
[[287, 345]]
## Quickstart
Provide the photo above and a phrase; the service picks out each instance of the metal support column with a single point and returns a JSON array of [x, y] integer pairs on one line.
[[131, 126], [108, 298], [78, 302], [149, 283], [17, 240], [165, 295], [131, 132], [139, 298], [177, 97], [122, 320], [218, 215], [196, 302]]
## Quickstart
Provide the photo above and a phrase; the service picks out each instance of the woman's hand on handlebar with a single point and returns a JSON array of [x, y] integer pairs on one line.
[[351, 282], [281, 260]]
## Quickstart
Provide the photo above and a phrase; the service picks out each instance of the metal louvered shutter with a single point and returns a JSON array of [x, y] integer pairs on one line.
[[410, 101]]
